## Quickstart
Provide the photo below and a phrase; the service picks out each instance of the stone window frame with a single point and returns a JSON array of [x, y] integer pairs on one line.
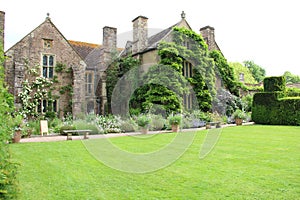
[[89, 83], [188, 101], [44, 104], [47, 70], [187, 69]]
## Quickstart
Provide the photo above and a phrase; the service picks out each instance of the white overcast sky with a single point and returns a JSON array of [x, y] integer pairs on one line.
[[265, 31]]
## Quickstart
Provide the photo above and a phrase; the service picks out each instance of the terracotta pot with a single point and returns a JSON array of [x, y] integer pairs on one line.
[[175, 128], [144, 130], [17, 136], [238, 121]]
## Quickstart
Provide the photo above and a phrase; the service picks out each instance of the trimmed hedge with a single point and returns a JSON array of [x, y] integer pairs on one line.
[[274, 83], [271, 108], [278, 107]]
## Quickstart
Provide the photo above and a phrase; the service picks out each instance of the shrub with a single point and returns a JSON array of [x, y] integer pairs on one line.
[[66, 127], [274, 83], [277, 107], [157, 122], [175, 119], [83, 125], [128, 125], [143, 120], [108, 124]]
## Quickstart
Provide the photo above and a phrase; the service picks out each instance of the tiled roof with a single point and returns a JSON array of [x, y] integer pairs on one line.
[[83, 48], [155, 39]]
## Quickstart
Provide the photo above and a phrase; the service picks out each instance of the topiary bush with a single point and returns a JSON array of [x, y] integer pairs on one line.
[[277, 107], [274, 83]]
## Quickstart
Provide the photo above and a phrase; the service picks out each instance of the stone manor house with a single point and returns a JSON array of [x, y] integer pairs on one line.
[[86, 63]]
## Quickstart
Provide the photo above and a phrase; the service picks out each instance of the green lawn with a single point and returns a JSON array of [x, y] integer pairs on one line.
[[248, 162]]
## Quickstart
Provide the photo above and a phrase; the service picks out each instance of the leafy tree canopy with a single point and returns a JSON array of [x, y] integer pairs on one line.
[[257, 71], [291, 78]]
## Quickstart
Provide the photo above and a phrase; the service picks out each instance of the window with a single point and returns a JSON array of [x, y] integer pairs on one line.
[[187, 69], [45, 105], [241, 77], [186, 44], [89, 82], [187, 101], [48, 66], [47, 43]]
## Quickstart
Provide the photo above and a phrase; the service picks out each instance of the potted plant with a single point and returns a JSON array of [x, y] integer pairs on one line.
[[239, 116], [175, 121], [143, 122], [18, 127]]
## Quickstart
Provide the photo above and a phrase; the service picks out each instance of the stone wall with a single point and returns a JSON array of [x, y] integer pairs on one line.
[[29, 51]]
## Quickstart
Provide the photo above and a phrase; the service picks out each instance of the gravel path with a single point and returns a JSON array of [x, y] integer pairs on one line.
[[53, 138]]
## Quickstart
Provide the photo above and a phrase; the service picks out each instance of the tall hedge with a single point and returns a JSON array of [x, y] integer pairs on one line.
[[275, 106], [274, 83]]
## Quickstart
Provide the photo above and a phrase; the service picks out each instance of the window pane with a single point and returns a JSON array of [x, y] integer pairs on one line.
[[44, 106], [50, 72], [51, 59], [39, 106], [45, 72], [45, 61], [55, 106], [90, 78]]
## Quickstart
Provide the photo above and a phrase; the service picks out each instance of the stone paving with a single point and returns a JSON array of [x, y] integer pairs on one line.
[[53, 138]]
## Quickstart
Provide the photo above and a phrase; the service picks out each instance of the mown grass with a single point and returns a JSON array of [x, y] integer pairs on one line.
[[248, 162]]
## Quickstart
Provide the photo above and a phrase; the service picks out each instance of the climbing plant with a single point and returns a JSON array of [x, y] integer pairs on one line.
[[38, 88], [186, 46], [116, 70], [226, 72], [8, 169]]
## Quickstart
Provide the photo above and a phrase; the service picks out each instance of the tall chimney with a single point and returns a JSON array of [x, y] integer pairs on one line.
[[140, 34], [2, 21], [208, 34], [109, 38]]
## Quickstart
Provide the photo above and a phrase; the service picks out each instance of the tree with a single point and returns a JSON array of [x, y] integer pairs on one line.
[[7, 167], [257, 71], [291, 78]]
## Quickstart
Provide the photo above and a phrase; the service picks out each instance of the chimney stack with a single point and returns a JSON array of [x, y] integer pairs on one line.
[[208, 34], [110, 38], [140, 34], [2, 21]]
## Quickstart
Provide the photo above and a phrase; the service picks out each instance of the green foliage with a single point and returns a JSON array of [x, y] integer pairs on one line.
[[65, 128], [239, 114], [175, 119], [248, 162], [60, 67], [274, 83], [8, 169], [257, 71], [143, 120], [226, 72], [115, 71], [83, 125], [158, 122], [238, 69], [291, 78], [276, 105]]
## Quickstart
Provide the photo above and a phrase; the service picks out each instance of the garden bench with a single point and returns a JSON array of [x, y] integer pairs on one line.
[[69, 133]]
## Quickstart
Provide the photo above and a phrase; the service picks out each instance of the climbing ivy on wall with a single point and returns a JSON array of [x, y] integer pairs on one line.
[[189, 46], [40, 88], [115, 71], [226, 72]]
